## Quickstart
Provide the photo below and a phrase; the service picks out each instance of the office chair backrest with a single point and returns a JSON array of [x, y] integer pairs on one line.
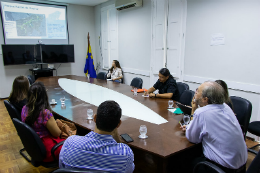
[[182, 87], [122, 80], [137, 82], [186, 97], [73, 170], [102, 75], [254, 166], [207, 167], [12, 110], [31, 79], [31, 141], [243, 109]]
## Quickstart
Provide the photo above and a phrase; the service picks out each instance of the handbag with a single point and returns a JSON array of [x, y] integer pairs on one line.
[[67, 128]]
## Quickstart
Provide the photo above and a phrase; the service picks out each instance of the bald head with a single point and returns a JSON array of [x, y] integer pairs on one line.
[[214, 92]]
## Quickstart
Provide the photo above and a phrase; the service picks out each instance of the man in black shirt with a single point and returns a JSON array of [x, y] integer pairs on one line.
[[166, 85]]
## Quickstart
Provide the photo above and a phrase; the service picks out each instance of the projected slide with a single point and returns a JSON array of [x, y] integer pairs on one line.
[[26, 21]]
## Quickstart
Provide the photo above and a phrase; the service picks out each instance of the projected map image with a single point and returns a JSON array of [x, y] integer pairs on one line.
[[27, 24]]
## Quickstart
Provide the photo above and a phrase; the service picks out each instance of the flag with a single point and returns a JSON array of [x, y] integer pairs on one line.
[[89, 66]]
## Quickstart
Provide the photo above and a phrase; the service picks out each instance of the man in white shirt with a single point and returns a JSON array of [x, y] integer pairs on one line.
[[216, 126]]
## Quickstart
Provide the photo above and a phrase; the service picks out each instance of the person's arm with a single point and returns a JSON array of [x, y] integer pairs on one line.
[[150, 90], [164, 96], [194, 131], [169, 93], [194, 106], [108, 74], [53, 127]]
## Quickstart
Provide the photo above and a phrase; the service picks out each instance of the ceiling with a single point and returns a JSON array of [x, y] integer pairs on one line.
[[79, 2]]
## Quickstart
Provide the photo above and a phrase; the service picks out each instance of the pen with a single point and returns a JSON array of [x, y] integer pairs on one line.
[[180, 124]]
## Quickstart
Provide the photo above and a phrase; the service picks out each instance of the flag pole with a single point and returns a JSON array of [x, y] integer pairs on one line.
[[88, 42]]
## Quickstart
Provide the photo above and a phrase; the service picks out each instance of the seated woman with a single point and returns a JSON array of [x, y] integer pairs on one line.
[[18, 95], [37, 114], [166, 85], [227, 98], [115, 72]]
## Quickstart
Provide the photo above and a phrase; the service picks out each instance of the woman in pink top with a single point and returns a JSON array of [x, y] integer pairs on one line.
[[37, 114]]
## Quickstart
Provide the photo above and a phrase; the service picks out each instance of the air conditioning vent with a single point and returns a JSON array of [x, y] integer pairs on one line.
[[125, 4]]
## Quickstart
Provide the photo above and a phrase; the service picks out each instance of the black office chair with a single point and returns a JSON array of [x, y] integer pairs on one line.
[[12, 110], [186, 97], [102, 75], [182, 87], [122, 80], [254, 128], [254, 166], [31, 79], [243, 109], [209, 167], [34, 146], [71, 170], [137, 82]]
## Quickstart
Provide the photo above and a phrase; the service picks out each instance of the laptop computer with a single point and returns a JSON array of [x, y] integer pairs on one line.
[[185, 109]]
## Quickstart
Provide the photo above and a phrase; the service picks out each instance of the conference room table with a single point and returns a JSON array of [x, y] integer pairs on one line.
[[165, 150]]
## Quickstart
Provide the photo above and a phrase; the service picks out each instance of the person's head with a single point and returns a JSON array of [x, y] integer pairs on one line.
[[209, 93], [20, 89], [115, 64], [108, 116], [225, 87], [164, 75], [37, 102]]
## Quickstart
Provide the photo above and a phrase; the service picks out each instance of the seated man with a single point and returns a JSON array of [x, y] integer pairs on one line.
[[216, 126], [166, 85], [98, 150]]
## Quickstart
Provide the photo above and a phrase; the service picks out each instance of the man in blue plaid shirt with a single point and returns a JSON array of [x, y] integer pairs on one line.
[[99, 150]]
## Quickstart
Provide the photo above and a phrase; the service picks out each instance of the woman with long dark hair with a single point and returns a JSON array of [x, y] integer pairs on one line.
[[226, 93], [115, 72], [166, 85], [18, 95], [37, 114]]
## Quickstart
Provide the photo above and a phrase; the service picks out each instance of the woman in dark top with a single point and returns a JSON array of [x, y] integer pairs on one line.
[[18, 95], [166, 85], [227, 98]]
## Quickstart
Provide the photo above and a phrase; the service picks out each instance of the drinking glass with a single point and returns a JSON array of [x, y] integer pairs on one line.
[[90, 114], [135, 91], [170, 103], [143, 131], [62, 99], [186, 119]]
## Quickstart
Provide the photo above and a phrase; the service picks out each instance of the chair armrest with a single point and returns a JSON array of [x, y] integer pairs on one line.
[[55, 148], [208, 164]]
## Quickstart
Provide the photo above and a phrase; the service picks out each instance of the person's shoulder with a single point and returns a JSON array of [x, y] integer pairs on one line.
[[171, 80], [125, 149], [201, 110], [74, 139]]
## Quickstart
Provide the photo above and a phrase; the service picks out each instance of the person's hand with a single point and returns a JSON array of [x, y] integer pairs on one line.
[[194, 104], [146, 93], [116, 136], [151, 95], [183, 128]]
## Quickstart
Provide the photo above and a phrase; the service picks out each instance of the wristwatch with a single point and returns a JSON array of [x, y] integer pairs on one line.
[[155, 95]]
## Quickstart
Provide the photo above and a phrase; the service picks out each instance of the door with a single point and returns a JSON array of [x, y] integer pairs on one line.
[[175, 36], [158, 39]]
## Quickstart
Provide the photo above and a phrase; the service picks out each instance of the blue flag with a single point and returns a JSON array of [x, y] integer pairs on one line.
[[89, 66]]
